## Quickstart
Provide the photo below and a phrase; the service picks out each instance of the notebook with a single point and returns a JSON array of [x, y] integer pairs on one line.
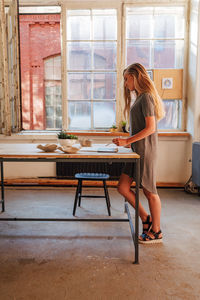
[[100, 149], [107, 149]]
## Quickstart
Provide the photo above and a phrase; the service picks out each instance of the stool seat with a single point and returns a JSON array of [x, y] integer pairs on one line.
[[91, 176]]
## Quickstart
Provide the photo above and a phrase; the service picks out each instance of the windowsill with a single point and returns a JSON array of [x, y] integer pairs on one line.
[[51, 136]]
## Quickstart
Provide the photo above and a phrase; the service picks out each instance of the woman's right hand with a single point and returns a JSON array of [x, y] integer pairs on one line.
[[120, 142]]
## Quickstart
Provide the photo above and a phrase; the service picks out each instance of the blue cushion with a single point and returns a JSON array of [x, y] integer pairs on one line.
[[92, 176]]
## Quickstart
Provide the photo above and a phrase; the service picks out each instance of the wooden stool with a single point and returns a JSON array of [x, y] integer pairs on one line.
[[91, 176]]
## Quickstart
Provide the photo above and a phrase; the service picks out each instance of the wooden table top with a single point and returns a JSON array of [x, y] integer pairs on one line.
[[31, 151]]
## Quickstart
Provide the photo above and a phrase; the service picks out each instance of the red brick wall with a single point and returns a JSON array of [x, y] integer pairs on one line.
[[39, 39]]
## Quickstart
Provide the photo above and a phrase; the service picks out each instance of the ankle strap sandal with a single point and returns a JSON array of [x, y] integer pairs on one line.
[[147, 222], [145, 238]]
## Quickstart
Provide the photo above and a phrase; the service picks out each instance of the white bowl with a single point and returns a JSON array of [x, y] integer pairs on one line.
[[67, 142], [85, 142]]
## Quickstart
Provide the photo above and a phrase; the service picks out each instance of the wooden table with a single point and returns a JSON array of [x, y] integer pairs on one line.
[[30, 153]]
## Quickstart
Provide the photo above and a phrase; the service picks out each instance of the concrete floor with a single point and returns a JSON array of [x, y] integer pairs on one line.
[[81, 261]]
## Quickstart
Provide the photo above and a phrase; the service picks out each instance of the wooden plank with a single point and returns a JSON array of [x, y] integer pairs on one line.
[[31, 151], [123, 134], [70, 182], [7, 113]]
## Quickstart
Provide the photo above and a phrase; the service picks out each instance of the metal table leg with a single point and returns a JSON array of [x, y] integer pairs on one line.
[[137, 211], [2, 189]]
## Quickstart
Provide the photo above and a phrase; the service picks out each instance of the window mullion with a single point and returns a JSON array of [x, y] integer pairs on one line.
[[92, 68], [65, 122]]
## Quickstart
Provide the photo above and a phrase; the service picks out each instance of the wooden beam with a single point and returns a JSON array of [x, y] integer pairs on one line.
[[5, 80], [70, 182]]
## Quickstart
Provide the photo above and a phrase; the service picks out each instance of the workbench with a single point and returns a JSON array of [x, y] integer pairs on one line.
[[29, 153]]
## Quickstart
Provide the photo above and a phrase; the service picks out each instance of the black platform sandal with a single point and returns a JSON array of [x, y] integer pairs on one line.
[[147, 222], [146, 239]]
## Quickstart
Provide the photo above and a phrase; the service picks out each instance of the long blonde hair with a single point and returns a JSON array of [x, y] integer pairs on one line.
[[143, 84]]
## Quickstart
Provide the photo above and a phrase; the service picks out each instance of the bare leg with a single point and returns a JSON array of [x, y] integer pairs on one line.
[[155, 209], [124, 188]]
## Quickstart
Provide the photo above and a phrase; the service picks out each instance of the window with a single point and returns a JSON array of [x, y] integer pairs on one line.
[[155, 38], [40, 48], [91, 68], [53, 101], [88, 94]]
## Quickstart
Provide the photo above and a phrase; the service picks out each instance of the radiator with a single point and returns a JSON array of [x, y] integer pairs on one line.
[[196, 163], [68, 170]]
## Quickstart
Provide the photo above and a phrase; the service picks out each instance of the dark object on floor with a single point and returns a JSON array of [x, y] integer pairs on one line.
[[190, 187]]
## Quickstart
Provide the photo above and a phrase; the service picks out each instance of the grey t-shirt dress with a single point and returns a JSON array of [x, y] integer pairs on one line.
[[147, 147]]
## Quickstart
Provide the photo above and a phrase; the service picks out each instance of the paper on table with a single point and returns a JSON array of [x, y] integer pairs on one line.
[[106, 149], [99, 149]]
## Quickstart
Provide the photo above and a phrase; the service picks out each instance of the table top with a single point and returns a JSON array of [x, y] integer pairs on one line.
[[31, 151]]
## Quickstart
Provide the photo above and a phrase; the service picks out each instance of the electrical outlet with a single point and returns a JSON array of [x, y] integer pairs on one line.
[[167, 83]]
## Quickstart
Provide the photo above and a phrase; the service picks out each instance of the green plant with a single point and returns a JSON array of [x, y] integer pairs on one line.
[[124, 123], [64, 135], [114, 126]]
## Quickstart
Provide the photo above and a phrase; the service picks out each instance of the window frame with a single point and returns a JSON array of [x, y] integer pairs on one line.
[[119, 93], [121, 54], [178, 4]]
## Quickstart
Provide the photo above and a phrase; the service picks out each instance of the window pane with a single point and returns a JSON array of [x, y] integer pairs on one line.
[[105, 55], [53, 105], [49, 123], [92, 67], [79, 56], [79, 115], [52, 67], [140, 52], [168, 54], [79, 86], [104, 114], [139, 26], [172, 119], [166, 22], [78, 26], [57, 68], [105, 28], [104, 85], [169, 22]]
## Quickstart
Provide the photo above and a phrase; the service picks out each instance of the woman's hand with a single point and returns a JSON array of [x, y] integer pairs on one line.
[[120, 142]]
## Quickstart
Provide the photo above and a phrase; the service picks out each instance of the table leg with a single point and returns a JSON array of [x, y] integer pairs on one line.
[[137, 211], [2, 189]]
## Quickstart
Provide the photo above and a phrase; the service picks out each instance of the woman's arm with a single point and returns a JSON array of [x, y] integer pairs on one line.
[[148, 130]]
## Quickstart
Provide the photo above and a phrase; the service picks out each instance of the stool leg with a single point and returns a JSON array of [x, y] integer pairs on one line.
[[76, 197], [80, 193], [107, 197]]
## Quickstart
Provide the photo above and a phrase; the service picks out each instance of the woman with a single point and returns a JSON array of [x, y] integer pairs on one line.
[[144, 114]]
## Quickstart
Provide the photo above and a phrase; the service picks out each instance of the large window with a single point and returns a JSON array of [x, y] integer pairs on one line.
[[73, 78], [91, 68], [155, 38]]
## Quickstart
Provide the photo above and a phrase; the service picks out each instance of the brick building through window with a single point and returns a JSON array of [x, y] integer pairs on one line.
[[40, 48]]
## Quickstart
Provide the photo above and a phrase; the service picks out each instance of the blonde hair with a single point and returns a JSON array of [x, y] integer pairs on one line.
[[143, 84]]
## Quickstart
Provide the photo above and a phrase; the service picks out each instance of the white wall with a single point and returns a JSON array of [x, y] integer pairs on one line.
[[193, 87]]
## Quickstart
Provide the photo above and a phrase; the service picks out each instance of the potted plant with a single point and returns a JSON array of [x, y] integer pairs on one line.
[[113, 128], [66, 139], [124, 123]]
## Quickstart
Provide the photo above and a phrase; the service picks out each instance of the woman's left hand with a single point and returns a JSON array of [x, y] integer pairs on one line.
[[120, 142]]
